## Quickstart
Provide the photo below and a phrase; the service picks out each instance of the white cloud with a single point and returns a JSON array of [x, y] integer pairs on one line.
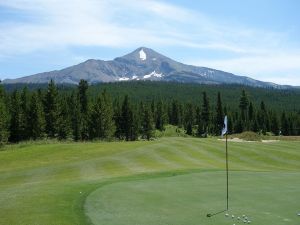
[[91, 22], [276, 67], [55, 24], [118, 23]]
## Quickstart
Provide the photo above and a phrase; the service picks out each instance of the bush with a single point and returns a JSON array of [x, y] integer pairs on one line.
[[249, 136]]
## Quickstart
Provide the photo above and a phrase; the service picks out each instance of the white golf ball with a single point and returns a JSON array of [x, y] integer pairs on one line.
[[232, 216], [298, 214], [249, 221], [239, 218], [245, 221], [226, 214], [243, 215]]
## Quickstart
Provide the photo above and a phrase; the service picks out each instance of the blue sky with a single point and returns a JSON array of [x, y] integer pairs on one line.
[[259, 39]]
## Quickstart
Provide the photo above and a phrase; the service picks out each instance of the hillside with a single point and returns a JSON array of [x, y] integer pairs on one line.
[[286, 99]]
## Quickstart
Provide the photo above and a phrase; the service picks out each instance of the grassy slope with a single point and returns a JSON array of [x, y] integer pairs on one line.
[[48, 183]]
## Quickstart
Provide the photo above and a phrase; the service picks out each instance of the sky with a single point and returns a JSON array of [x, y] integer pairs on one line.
[[255, 38]]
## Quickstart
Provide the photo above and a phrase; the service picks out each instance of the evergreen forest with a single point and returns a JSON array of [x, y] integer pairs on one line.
[[135, 110]]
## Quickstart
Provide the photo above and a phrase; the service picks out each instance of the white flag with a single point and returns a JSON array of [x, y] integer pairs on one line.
[[224, 130]]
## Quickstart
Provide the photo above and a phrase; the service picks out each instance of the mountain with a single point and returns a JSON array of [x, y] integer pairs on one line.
[[142, 64]]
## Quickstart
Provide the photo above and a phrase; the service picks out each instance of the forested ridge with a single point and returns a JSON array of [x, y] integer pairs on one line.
[[133, 110]]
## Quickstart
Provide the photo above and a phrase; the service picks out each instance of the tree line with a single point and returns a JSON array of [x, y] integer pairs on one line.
[[76, 115]]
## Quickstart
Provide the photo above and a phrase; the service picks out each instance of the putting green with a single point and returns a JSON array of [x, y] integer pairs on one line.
[[266, 198]]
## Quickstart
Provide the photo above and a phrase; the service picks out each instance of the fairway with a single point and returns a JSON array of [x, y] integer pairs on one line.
[[171, 180]]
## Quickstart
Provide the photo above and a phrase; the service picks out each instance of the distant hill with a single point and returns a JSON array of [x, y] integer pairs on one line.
[[277, 99], [141, 64]]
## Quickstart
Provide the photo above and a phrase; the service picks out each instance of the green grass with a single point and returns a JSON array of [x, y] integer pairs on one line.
[[186, 199], [176, 178]]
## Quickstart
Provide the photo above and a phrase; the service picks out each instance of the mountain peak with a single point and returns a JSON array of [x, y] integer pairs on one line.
[[141, 64], [143, 55]]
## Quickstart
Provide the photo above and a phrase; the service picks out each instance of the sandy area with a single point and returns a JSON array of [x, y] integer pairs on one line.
[[241, 140]]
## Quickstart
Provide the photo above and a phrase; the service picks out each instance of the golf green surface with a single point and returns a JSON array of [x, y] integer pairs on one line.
[[172, 180]]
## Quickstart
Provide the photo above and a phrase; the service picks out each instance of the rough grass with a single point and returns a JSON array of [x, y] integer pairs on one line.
[[49, 183], [171, 131], [248, 136], [252, 136]]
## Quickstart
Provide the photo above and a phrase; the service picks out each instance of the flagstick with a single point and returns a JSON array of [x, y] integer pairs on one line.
[[226, 174], [224, 131]]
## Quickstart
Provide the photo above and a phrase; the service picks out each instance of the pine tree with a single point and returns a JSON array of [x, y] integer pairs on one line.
[[147, 124], [284, 125], [219, 115], [4, 119], [136, 126], [229, 121], [199, 122], [25, 99], [96, 119], [160, 116], [109, 124], [82, 94], [51, 110], [274, 124], [238, 126], [15, 119], [153, 108], [36, 120], [175, 113], [263, 119], [298, 124], [127, 123], [101, 118], [118, 119], [189, 119], [84, 114], [250, 112], [181, 113], [255, 126], [205, 113], [75, 115], [63, 120], [244, 102]]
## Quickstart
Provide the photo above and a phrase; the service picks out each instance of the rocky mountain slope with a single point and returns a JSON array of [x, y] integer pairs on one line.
[[141, 64]]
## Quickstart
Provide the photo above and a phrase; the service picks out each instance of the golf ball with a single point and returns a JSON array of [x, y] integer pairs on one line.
[[232, 216], [226, 214], [243, 215], [298, 214], [249, 221], [239, 218]]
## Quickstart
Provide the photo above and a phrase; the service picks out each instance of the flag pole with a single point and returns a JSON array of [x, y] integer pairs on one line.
[[227, 190], [224, 131]]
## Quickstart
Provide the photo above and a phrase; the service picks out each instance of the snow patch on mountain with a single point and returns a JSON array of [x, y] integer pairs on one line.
[[143, 55], [123, 78], [153, 74]]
